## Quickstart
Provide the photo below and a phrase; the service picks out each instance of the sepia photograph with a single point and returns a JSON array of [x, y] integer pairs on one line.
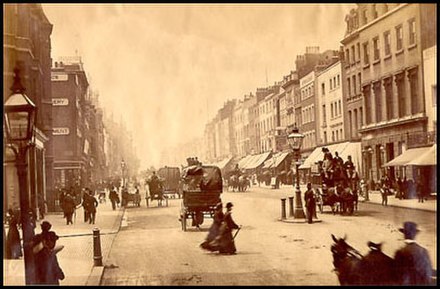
[[219, 144]]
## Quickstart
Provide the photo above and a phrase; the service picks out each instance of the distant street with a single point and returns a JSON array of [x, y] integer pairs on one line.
[[153, 250]]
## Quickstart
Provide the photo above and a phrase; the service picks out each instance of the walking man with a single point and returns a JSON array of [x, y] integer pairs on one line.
[[113, 198], [69, 208]]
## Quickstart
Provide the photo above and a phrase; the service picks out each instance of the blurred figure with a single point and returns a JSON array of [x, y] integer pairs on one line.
[[412, 263], [225, 241], [69, 208], [48, 271], [309, 198], [214, 230], [13, 245]]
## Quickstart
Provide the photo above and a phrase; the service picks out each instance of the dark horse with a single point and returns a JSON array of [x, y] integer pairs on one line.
[[352, 268]]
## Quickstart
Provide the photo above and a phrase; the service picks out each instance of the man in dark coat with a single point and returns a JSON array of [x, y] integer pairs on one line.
[[113, 197], [412, 263], [92, 203], [69, 208], [309, 198], [13, 245]]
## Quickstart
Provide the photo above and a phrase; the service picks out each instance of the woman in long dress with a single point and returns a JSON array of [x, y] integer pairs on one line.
[[225, 241], [214, 230]]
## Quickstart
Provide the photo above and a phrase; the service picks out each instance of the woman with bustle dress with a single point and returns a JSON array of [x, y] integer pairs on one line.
[[214, 230]]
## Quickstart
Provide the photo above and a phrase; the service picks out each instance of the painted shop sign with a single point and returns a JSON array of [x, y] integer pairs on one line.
[[60, 131], [59, 77], [60, 101]]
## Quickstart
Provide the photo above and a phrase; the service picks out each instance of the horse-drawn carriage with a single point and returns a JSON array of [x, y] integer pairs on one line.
[[334, 188], [239, 182], [156, 192], [134, 199], [201, 189]]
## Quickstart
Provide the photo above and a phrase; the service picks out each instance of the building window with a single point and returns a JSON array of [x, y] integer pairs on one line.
[[389, 97], [350, 123], [366, 53], [323, 114], [355, 120], [348, 87], [399, 38], [360, 82], [338, 81], [400, 83], [323, 88], [340, 107], [358, 51], [376, 48], [414, 87], [368, 106], [353, 54], [354, 84], [331, 86], [347, 56], [378, 98], [412, 31], [333, 136], [325, 137], [387, 40], [337, 136], [331, 110], [364, 16]]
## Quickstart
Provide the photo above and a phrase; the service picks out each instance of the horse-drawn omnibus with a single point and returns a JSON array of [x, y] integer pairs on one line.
[[170, 177], [201, 189]]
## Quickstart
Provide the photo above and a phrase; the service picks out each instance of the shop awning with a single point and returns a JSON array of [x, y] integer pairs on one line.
[[275, 161], [344, 150], [427, 159], [242, 163], [410, 155], [257, 161], [223, 163]]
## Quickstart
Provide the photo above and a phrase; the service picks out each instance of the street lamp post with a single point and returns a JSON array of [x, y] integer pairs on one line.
[[123, 172], [19, 120], [295, 140]]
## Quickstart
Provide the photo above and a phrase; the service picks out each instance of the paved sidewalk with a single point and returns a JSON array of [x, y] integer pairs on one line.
[[76, 259], [374, 198]]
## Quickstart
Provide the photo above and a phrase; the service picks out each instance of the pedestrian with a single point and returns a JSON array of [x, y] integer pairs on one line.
[[41, 206], [69, 208], [48, 271], [92, 203], [384, 191], [38, 239], [420, 188], [214, 230], [61, 200], [225, 241], [412, 263], [113, 198], [400, 188], [13, 245], [86, 204], [309, 197]]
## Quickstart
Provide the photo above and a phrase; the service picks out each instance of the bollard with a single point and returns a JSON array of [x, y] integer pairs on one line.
[[283, 208], [290, 206], [97, 256]]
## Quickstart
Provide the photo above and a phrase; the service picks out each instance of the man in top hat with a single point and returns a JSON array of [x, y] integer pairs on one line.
[[412, 263]]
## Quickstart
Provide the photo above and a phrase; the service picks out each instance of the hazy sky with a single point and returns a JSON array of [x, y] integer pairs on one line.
[[167, 68]]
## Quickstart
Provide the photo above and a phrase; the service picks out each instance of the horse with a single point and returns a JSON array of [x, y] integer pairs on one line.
[[348, 199], [352, 268], [328, 198], [233, 183], [243, 183]]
